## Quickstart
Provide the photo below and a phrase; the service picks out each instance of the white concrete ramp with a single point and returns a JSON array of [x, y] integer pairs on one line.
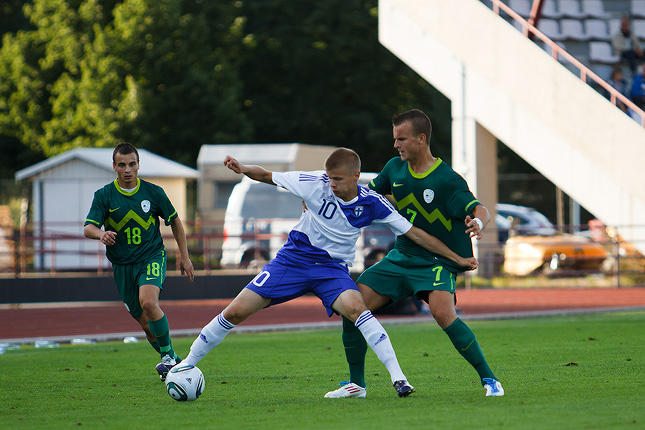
[[500, 81]]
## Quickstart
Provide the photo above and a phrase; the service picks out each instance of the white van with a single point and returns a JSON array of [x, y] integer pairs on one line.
[[259, 218]]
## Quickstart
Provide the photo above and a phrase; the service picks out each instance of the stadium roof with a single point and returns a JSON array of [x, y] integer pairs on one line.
[[152, 165]]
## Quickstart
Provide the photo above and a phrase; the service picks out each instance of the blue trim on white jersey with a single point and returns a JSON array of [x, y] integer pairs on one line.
[[331, 225], [299, 249], [368, 207]]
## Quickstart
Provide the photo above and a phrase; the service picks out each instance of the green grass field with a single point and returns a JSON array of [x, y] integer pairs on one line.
[[577, 372]]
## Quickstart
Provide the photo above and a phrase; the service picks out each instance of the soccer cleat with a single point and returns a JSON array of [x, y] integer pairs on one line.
[[403, 388], [347, 389], [493, 387], [166, 364]]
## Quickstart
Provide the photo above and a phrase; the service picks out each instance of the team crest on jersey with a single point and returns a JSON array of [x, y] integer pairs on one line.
[[428, 195], [358, 210], [145, 205]]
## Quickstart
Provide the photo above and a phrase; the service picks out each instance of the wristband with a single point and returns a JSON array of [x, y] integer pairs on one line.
[[479, 223]]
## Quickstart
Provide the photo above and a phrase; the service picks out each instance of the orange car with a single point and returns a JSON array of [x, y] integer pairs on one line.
[[524, 255]]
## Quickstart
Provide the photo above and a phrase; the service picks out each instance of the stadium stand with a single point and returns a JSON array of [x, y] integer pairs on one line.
[[585, 28]]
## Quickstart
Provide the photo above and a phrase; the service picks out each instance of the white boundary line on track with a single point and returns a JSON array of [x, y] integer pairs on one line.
[[325, 325]]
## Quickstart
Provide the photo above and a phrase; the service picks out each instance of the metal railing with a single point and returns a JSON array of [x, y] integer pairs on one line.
[[564, 257], [557, 52]]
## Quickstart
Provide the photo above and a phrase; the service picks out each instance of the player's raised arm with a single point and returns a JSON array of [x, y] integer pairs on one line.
[[256, 173], [433, 244]]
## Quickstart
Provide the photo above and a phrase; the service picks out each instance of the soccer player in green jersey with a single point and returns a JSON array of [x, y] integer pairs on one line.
[[436, 199], [129, 209]]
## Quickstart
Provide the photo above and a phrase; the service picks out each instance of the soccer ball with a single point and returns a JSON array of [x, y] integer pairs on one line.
[[185, 382]]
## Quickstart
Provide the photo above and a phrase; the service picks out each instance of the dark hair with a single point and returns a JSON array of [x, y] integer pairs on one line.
[[421, 124], [125, 148], [343, 158]]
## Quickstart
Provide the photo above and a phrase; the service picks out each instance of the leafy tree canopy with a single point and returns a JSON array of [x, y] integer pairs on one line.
[[171, 75], [95, 72]]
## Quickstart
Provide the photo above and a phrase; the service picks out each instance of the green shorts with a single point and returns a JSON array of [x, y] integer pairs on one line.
[[129, 277], [399, 276]]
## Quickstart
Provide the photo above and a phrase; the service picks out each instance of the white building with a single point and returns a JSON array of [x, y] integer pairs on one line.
[[63, 188], [216, 181]]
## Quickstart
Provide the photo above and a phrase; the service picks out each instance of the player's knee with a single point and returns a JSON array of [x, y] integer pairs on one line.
[[149, 306], [355, 309], [234, 315], [444, 317]]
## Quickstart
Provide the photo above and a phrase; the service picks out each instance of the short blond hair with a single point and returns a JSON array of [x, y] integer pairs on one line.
[[343, 158]]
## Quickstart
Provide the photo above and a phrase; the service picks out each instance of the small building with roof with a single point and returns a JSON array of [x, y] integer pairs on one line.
[[62, 191], [216, 181]]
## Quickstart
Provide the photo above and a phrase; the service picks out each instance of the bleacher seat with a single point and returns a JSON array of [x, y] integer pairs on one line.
[[614, 26], [601, 52], [638, 27], [570, 9], [572, 29], [549, 10], [595, 9], [521, 7], [550, 28], [596, 29], [637, 9]]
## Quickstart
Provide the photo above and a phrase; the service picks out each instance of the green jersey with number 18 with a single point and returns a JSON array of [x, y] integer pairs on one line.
[[436, 201], [134, 216]]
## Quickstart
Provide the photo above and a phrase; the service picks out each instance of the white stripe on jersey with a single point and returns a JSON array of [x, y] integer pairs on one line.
[[332, 224], [364, 191]]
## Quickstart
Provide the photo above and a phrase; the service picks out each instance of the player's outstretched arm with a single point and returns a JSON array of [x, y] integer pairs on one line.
[[185, 265], [436, 246], [256, 173]]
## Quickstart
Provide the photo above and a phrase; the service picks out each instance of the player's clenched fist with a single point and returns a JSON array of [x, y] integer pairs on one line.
[[233, 164], [108, 238]]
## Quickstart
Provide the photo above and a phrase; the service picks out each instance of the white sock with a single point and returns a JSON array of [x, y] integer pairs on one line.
[[379, 341], [211, 335]]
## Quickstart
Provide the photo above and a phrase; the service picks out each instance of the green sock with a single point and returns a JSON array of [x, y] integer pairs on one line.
[[161, 331], [465, 342], [155, 345], [355, 350]]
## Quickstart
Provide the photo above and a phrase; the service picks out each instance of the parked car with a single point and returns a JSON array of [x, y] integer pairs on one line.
[[258, 220], [534, 244], [522, 221]]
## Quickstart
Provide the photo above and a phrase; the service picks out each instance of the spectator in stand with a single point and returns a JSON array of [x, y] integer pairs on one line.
[[626, 45], [620, 84], [638, 89]]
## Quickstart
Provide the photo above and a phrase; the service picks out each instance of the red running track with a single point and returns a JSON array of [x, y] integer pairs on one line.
[[101, 318]]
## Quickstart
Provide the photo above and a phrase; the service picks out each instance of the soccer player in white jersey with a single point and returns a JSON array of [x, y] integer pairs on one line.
[[318, 252]]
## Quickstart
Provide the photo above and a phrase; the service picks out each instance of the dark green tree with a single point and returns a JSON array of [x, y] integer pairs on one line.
[[11, 17], [91, 73], [315, 72]]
